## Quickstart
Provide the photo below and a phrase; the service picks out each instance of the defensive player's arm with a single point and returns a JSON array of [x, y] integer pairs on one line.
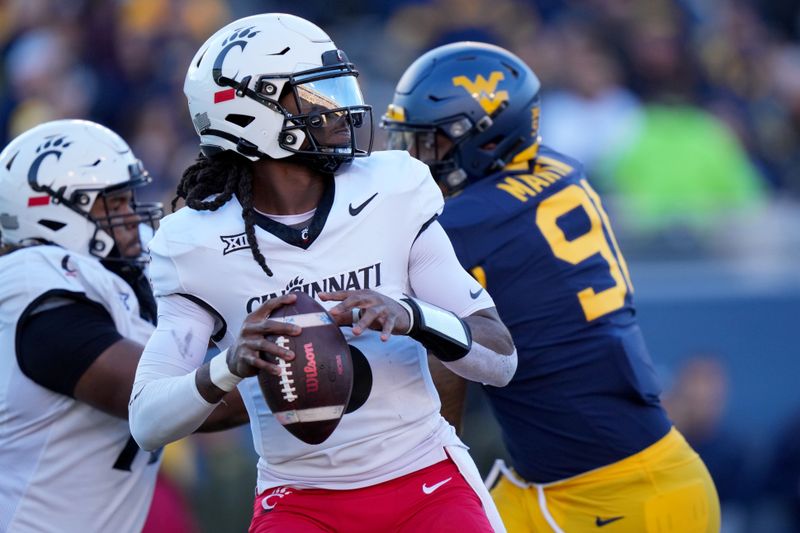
[[437, 277], [452, 390], [230, 412], [451, 387], [107, 384]]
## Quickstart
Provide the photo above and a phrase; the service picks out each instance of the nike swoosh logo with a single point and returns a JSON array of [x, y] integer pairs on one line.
[[599, 522], [429, 490], [356, 210], [474, 295]]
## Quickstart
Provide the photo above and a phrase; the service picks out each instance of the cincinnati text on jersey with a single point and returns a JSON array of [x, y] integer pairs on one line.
[[367, 277]]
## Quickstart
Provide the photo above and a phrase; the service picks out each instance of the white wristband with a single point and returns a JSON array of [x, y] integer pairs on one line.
[[220, 374]]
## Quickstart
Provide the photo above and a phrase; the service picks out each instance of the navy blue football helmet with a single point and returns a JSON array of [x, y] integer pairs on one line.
[[476, 103]]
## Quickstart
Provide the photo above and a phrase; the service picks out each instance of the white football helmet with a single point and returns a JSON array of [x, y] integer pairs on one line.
[[51, 175], [237, 79]]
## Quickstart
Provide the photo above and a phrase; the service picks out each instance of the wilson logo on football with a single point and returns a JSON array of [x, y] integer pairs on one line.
[[312, 385], [309, 395]]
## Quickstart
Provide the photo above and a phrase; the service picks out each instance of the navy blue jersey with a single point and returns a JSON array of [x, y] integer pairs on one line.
[[585, 393]]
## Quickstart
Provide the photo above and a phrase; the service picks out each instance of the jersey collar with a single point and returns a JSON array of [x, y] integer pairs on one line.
[[302, 238]]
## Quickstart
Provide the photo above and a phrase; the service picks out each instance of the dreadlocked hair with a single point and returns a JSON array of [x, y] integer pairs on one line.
[[211, 181], [7, 248]]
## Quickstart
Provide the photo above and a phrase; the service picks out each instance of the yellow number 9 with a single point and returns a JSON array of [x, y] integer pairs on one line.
[[594, 304]]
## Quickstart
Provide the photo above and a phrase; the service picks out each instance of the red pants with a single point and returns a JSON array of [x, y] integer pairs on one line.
[[436, 498]]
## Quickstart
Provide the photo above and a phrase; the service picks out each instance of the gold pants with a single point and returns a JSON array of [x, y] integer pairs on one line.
[[665, 488]]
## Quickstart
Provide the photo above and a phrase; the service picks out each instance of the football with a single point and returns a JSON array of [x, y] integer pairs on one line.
[[311, 394]]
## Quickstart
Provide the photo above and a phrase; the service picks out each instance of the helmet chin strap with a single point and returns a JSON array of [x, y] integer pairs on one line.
[[132, 272], [511, 150], [322, 163]]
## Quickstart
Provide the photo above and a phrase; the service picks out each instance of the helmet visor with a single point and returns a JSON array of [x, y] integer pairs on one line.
[[332, 115], [325, 94]]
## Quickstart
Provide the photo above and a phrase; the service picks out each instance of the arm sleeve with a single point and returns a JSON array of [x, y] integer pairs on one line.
[[165, 403], [436, 276], [55, 347]]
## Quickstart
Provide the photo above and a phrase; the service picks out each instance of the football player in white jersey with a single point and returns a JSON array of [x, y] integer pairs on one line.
[[75, 312], [286, 197]]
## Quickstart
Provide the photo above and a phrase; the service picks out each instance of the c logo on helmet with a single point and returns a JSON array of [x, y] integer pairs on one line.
[[58, 143], [227, 45], [483, 90]]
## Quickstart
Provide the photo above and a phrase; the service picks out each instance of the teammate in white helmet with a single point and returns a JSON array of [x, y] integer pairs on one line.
[[286, 197], [75, 312]]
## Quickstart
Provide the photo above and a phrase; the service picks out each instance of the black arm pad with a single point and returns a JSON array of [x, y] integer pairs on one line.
[[440, 331], [57, 346]]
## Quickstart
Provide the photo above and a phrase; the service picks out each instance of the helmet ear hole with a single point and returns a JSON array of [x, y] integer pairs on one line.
[[53, 225], [240, 120]]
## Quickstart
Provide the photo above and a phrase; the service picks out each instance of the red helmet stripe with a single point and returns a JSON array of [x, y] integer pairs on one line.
[[35, 201], [224, 96]]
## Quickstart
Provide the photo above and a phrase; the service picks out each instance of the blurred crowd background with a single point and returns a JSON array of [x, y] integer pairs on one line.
[[685, 112]]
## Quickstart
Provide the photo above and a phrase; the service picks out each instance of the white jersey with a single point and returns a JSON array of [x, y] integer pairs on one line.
[[360, 238], [65, 466]]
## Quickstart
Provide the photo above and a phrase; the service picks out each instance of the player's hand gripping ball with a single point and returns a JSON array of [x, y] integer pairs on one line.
[[311, 393]]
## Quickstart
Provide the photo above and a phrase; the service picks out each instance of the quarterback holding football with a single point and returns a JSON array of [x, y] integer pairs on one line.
[[287, 197]]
